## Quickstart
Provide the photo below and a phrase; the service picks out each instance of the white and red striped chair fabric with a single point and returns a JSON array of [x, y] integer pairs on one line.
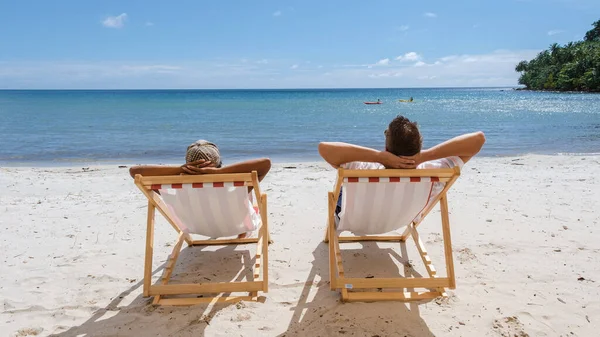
[[377, 205], [219, 209]]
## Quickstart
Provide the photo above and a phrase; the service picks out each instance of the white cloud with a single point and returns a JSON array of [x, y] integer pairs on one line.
[[448, 58], [383, 62], [555, 32], [150, 68], [149, 24], [115, 21], [430, 15], [490, 69], [263, 61], [410, 56], [403, 28], [277, 13], [295, 66], [485, 69], [387, 74]]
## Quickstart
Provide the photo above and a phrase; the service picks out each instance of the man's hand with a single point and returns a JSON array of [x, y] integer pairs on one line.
[[391, 161], [199, 167], [417, 158]]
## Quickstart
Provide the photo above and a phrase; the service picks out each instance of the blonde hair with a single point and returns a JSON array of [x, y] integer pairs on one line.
[[203, 149]]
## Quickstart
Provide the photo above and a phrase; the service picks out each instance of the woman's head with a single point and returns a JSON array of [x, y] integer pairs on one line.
[[203, 149]]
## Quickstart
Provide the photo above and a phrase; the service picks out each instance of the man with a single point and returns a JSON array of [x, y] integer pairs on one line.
[[403, 143]]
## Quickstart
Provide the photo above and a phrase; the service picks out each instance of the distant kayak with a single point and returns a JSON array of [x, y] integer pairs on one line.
[[372, 102], [406, 100]]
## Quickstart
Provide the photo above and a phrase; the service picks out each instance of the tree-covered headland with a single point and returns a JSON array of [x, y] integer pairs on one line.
[[571, 67]]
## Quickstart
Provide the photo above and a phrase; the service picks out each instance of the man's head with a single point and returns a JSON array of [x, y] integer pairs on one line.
[[203, 149], [402, 137]]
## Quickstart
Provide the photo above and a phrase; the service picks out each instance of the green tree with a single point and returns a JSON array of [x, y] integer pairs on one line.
[[594, 33], [522, 66], [574, 66]]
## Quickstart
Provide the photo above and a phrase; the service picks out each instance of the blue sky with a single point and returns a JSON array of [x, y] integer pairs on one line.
[[278, 44]]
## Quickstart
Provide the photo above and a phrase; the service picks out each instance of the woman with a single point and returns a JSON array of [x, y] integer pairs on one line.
[[203, 157]]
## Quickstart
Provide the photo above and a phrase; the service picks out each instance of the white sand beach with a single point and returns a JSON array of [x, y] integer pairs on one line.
[[524, 231]]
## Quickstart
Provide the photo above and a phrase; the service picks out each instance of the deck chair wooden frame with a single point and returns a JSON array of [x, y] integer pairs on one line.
[[435, 284], [161, 291]]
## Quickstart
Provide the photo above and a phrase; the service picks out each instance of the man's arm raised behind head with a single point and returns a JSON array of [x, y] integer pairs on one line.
[[465, 146], [337, 154]]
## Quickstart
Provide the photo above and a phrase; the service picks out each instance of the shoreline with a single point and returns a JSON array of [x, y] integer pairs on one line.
[[559, 91], [128, 163]]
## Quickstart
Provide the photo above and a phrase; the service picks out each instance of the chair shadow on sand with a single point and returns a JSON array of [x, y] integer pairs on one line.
[[141, 318], [325, 315]]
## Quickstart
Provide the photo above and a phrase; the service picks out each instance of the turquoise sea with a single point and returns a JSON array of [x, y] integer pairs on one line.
[[39, 127]]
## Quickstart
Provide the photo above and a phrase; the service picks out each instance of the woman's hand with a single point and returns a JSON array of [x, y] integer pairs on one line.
[[199, 167], [391, 161]]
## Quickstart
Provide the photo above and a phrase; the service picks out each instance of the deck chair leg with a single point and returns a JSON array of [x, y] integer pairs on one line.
[[262, 251], [425, 258], [336, 268], [265, 246], [329, 217], [170, 265], [423, 253], [407, 232], [173, 259], [339, 266], [149, 250], [447, 241], [330, 233]]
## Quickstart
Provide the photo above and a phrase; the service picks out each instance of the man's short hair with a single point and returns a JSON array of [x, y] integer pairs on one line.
[[403, 137]]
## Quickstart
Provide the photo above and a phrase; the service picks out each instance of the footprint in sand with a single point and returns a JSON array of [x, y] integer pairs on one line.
[[29, 332], [434, 237], [465, 255], [446, 301], [509, 327]]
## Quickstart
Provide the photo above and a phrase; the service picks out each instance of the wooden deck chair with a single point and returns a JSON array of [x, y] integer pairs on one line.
[[381, 201], [216, 206]]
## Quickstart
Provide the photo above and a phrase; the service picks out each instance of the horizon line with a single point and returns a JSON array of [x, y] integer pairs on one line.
[[301, 88]]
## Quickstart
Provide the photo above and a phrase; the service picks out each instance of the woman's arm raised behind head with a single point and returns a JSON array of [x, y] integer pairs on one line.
[[261, 166], [155, 170]]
